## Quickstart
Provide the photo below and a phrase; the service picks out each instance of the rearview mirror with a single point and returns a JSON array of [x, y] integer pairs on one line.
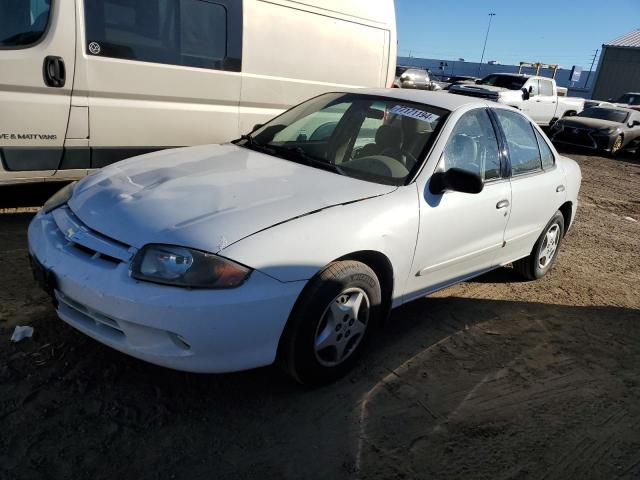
[[375, 114], [525, 93], [457, 180]]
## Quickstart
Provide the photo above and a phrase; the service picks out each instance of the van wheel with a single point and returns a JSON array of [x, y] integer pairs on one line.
[[544, 252], [331, 323]]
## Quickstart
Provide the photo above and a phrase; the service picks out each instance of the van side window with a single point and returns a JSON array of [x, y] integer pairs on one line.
[[23, 23], [191, 33]]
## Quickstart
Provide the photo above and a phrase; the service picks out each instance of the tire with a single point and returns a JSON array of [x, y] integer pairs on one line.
[[616, 147], [534, 267], [331, 323]]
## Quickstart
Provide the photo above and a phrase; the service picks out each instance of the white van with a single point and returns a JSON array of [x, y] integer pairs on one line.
[[85, 83]]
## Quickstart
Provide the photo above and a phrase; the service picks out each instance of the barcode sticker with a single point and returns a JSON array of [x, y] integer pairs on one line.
[[414, 113]]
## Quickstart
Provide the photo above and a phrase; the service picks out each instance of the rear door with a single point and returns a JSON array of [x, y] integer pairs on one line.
[[159, 74], [537, 184], [37, 63]]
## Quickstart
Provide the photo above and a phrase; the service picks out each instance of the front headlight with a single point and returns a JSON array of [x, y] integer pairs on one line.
[[186, 267], [59, 198]]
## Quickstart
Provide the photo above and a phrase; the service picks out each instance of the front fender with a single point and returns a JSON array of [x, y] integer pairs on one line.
[[298, 249]]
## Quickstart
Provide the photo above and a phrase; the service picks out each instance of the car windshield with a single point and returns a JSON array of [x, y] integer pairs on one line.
[[370, 137], [511, 82], [608, 114], [629, 99]]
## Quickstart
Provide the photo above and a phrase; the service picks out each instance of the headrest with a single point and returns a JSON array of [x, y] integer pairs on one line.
[[388, 136]]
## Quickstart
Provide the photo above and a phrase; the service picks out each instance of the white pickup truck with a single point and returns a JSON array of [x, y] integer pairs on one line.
[[536, 96]]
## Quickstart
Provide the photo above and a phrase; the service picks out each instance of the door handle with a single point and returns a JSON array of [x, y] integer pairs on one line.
[[502, 204], [54, 72], [560, 188]]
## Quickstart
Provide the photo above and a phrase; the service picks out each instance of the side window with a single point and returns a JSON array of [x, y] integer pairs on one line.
[[546, 88], [191, 33], [535, 89], [23, 23], [473, 146], [548, 160], [521, 141]]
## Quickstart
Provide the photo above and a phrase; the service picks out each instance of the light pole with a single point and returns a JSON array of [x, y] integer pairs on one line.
[[486, 37]]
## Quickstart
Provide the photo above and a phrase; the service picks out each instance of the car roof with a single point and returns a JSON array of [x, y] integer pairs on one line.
[[440, 99]]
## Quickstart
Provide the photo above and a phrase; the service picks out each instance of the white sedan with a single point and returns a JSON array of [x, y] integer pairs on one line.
[[291, 243]]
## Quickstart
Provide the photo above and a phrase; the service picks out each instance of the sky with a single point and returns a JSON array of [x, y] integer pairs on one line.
[[561, 31]]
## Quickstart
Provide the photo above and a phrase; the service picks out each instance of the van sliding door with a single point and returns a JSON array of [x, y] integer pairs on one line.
[[161, 73]]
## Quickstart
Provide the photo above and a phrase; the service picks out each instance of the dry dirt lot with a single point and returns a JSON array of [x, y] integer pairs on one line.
[[495, 379]]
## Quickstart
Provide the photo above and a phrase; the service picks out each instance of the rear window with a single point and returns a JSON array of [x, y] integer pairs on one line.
[[608, 114], [23, 22], [190, 33]]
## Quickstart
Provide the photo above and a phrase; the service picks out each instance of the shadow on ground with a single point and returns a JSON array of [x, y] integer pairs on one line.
[[466, 387]]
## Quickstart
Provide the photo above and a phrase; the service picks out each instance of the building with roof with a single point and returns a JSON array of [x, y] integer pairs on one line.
[[619, 67]]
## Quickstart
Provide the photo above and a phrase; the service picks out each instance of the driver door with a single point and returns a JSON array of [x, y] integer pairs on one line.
[[460, 233]]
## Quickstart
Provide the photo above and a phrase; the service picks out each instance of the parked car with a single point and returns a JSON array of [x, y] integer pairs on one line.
[[606, 129], [457, 80], [628, 100], [536, 96], [416, 78], [281, 248], [124, 77]]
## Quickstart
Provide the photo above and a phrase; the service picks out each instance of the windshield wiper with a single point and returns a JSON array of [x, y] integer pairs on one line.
[[297, 154]]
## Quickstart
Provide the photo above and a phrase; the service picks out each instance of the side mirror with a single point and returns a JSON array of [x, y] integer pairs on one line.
[[634, 123], [257, 126], [478, 82], [526, 95], [457, 180]]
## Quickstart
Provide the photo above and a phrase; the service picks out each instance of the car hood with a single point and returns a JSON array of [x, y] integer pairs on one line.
[[592, 123], [487, 89], [207, 197]]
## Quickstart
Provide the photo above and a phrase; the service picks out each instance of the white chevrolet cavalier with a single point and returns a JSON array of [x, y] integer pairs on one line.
[[292, 243]]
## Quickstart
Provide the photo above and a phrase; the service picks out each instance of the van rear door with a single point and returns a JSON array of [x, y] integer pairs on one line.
[[37, 60]]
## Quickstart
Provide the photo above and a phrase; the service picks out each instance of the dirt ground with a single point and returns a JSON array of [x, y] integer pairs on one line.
[[494, 379]]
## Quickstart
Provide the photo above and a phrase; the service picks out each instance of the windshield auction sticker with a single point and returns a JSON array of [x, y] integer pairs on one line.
[[414, 113]]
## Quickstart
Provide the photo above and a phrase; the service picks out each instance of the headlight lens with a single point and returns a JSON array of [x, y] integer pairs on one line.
[[186, 267], [59, 198]]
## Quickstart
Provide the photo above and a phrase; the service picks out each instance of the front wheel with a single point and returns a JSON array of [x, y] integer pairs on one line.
[[544, 252], [616, 148], [331, 323]]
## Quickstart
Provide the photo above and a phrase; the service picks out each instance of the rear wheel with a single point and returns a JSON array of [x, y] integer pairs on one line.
[[331, 323], [544, 252]]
